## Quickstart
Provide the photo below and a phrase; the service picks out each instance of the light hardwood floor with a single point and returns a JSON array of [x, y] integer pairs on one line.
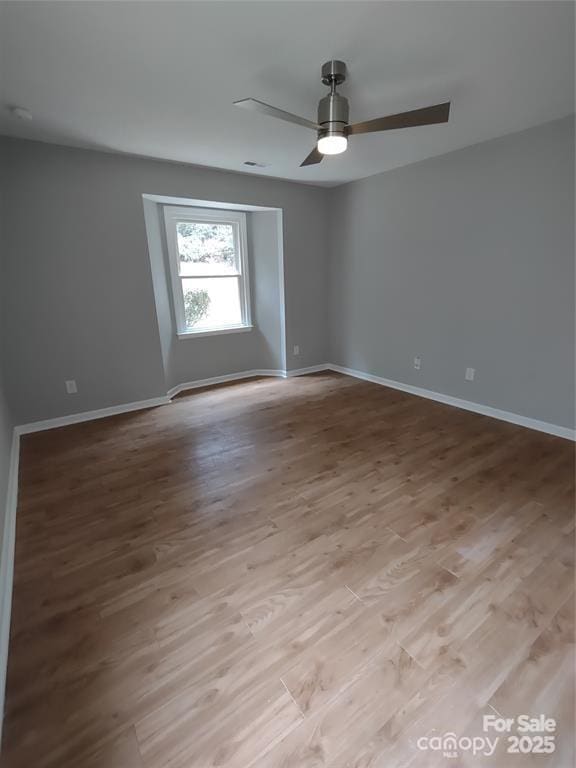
[[287, 574]]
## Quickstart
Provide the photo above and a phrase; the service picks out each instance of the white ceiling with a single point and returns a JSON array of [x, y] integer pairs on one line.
[[159, 78]]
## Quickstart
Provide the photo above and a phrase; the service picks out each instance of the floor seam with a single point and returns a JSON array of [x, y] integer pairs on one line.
[[293, 699]]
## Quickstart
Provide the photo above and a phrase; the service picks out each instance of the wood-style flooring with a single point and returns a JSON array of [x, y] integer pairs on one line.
[[289, 574]]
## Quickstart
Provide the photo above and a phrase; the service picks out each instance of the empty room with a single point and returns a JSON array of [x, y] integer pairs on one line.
[[287, 383]]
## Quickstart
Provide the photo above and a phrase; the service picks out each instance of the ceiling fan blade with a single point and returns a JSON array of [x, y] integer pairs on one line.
[[439, 113], [266, 109], [313, 158]]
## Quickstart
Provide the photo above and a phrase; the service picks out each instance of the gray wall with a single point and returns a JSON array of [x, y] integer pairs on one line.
[[6, 419], [6, 429], [6, 539], [6, 524], [160, 281], [81, 300], [264, 235], [466, 260]]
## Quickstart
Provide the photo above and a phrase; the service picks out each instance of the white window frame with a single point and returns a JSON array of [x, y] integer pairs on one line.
[[173, 215]]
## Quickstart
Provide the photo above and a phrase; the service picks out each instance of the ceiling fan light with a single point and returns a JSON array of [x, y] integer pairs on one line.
[[332, 145]]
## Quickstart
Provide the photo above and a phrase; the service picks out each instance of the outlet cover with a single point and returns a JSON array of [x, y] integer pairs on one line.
[[296, 349], [470, 373], [71, 387]]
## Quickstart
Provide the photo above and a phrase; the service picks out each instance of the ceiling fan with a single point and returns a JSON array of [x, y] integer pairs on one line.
[[333, 127]]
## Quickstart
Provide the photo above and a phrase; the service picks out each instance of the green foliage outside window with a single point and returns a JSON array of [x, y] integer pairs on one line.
[[206, 243], [196, 306]]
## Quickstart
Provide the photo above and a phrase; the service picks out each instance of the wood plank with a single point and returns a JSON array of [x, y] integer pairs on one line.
[[309, 572]]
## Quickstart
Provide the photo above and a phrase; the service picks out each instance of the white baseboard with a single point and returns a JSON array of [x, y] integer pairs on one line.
[[304, 371], [223, 379], [467, 405], [7, 565], [101, 413], [244, 375]]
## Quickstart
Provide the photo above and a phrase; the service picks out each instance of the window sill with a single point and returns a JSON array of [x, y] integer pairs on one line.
[[215, 332]]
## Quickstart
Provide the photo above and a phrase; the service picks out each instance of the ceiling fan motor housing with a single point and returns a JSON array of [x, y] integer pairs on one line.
[[333, 110], [333, 115]]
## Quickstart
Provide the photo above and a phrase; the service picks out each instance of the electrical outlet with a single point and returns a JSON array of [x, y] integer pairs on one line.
[[470, 373], [296, 349], [417, 363], [71, 387]]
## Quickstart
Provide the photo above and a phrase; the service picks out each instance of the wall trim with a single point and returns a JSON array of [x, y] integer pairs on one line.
[[246, 375], [101, 413], [198, 383], [7, 565], [114, 410], [309, 369], [456, 402]]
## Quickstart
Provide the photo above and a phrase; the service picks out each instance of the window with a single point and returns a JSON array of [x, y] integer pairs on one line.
[[209, 270]]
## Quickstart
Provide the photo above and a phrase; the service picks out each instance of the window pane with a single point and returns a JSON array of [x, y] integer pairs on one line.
[[212, 303], [206, 249]]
